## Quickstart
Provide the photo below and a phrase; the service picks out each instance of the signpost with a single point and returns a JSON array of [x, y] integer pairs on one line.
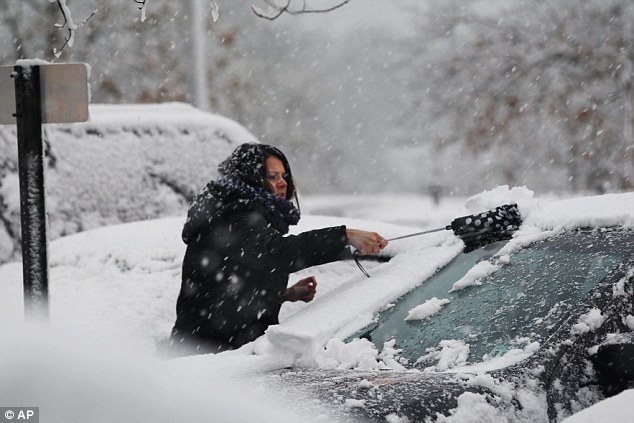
[[43, 93]]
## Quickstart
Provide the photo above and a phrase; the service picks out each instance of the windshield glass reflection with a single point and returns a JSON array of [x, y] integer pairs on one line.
[[524, 301]]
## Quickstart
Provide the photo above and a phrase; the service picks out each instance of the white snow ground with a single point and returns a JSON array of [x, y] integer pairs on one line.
[[112, 298]]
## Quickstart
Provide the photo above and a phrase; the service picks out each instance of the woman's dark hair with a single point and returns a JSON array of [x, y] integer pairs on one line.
[[270, 151]]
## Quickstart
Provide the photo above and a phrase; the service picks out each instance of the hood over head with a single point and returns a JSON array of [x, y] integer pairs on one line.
[[248, 163]]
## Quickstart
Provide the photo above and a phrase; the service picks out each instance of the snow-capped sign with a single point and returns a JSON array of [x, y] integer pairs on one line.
[[63, 93], [42, 93]]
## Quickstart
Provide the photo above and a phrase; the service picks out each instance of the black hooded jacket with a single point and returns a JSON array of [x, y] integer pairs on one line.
[[238, 261]]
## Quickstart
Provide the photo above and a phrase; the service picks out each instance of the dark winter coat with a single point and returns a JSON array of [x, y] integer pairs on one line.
[[238, 261]]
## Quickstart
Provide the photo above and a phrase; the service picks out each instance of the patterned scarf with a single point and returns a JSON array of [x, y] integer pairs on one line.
[[283, 212]]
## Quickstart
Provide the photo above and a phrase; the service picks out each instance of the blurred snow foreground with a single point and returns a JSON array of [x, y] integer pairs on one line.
[[112, 298]]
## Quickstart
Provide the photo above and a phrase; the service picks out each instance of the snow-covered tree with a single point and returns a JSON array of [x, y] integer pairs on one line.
[[535, 93]]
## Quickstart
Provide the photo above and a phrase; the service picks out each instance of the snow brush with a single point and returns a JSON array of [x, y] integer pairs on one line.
[[501, 221], [475, 230]]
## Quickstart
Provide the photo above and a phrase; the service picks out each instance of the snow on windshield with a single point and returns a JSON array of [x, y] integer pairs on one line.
[[427, 309], [475, 275]]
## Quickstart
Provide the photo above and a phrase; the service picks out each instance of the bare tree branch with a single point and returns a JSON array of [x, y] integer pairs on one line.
[[280, 10], [142, 5], [69, 25]]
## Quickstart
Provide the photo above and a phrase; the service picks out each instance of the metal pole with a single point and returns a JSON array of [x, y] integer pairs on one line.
[[32, 206], [198, 86]]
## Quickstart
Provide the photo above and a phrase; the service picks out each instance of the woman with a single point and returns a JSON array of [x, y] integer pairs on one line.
[[237, 263]]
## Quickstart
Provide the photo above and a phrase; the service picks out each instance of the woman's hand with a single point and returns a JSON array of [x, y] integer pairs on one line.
[[304, 290], [366, 242]]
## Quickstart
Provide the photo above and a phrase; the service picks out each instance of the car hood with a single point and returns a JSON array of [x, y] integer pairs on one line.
[[353, 395]]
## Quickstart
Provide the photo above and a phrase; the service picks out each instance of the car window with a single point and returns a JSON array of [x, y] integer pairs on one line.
[[523, 301]]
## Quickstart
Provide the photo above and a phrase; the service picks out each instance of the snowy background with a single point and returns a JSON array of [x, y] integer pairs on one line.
[[402, 95]]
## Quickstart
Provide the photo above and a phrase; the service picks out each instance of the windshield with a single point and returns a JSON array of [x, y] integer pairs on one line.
[[521, 302]]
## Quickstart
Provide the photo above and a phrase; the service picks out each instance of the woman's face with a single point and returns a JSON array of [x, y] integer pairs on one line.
[[275, 175]]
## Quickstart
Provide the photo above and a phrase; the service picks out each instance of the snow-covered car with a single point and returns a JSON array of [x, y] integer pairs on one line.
[[129, 162], [531, 329]]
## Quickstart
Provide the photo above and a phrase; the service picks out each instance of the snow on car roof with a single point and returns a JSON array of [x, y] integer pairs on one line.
[[160, 114]]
